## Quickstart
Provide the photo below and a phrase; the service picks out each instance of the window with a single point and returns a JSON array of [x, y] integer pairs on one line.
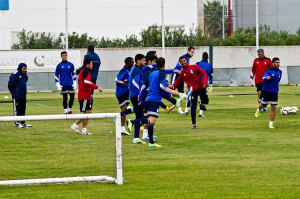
[[4, 5]]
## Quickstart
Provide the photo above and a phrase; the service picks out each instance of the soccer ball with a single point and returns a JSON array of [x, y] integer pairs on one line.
[[284, 110]]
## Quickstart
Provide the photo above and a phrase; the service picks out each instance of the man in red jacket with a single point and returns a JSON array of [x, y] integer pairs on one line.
[[194, 77], [85, 94], [259, 67]]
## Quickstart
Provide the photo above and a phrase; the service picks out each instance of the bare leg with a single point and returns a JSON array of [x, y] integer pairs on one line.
[[85, 122], [273, 113], [258, 95], [123, 117]]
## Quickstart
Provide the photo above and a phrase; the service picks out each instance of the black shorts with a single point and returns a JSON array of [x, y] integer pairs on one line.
[[85, 105], [67, 89], [152, 108], [124, 99], [259, 87], [266, 97]]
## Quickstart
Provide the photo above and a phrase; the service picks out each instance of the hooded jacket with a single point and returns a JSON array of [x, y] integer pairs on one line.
[[17, 84]]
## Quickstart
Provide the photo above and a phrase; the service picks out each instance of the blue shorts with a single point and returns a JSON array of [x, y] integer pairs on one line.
[[152, 108], [67, 89], [266, 97], [124, 99]]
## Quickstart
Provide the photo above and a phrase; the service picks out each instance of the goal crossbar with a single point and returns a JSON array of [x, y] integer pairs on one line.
[[119, 180]]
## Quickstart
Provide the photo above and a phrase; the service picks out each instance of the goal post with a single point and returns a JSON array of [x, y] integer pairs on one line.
[[106, 179]]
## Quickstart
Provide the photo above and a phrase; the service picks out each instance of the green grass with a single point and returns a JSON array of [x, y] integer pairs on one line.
[[231, 154]]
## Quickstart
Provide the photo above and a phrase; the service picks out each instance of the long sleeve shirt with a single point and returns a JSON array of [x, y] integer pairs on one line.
[[121, 87], [85, 90], [272, 85], [259, 67], [135, 81], [193, 76], [64, 73]]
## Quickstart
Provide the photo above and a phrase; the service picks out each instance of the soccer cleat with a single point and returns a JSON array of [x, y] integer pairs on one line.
[[20, 125], [86, 133], [200, 115], [169, 109], [178, 101], [271, 126], [129, 126], [27, 125], [75, 128], [184, 113], [70, 112], [194, 126], [154, 145], [147, 138], [180, 112], [257, 113], [189, 93], [125, 133], [138, 141]]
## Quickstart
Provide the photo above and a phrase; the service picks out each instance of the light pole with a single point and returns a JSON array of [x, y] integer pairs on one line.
[[162, 29], [67, 34], [257, 27]]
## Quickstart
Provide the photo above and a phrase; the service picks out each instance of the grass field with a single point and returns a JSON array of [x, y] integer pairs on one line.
[[231, 154]]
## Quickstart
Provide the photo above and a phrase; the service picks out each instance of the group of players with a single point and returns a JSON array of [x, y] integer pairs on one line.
[[145, 84], [142, 81]]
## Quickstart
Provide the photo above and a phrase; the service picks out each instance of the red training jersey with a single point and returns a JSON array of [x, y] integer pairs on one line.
[[193, 76], [85, 90], [259, 67]]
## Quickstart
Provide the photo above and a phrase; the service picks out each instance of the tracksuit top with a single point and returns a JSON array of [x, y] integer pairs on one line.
[[96, 64], [178, 66], [85, 90], [208, 69], [121, 87], [17, 84], [135, 81], [64, 73], [259, 67], [272, 85], [193, 76], [157, 86]]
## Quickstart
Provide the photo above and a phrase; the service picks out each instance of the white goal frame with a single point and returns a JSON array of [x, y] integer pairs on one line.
[[106, 179]]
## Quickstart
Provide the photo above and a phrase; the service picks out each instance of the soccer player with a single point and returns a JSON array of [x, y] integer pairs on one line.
[[96, 62], [85, 92], [17, 86], [122, 90], [194, 77], [157, 88], [270, 89], [65, 80], [209, 71], [135, 83], [174, 76], [259, 67]]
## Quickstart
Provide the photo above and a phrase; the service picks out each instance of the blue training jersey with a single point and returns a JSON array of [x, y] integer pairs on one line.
[[208, 69], [157, 86], [135, 81], [121, 87], [272, 85], [64, 73]]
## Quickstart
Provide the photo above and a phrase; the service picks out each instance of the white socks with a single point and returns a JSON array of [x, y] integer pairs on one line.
[[123, 128], [83, 130], [69, 109], [183, 95], [270, 123], [145, 133], [66, 111], [186, 109], [201, 112]]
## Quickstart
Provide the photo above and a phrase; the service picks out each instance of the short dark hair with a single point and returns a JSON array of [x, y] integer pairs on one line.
[[63, 52], [128, 60], [87, 61], [150, 57], [91, 47], [151, 52], [182, 57], [139, 57], [205, 55], [260, 50], [190, 48], [160, 62], [275, 59]]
